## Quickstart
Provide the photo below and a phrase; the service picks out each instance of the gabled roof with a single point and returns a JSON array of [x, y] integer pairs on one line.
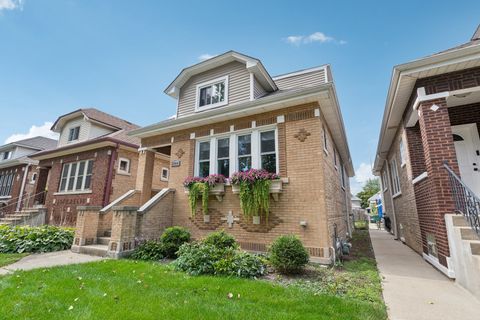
[[404, 78], [252, 64], [35, 143], [95, 115]]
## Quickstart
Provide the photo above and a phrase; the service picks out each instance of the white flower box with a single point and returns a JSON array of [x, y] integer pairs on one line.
[[217, 190], [275, 188]]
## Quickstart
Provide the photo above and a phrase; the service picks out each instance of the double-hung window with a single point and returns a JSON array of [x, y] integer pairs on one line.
[[394, 178], [204, 159], [6, 182], [7, 155], [225, 154], [384, 180], [212, 94], [76, 176], [403, 156], [74, 133]]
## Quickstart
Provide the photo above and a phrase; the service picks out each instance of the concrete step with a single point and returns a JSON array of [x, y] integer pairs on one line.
[[468, 234], [103, 240], [475, 247], [98, 250], [107, 233], [460, 221]]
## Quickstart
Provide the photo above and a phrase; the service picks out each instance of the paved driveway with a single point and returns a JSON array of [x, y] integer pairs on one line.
[[46, 260], [415, 290]]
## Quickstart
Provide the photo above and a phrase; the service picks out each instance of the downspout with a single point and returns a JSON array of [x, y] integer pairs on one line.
[[108, 185], [22, 188]]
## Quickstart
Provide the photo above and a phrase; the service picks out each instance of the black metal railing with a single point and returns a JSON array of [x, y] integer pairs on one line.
[[467, 202]]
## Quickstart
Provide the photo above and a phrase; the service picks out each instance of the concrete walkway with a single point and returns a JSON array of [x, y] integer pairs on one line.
[[46, 260], [415, 290]]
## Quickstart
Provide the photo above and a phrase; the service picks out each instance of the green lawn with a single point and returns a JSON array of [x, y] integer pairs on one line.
[[9, 258], [117, 289]]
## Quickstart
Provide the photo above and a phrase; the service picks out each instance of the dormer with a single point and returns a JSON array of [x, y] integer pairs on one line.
[[21, 149], [86, 124], [222, 81]]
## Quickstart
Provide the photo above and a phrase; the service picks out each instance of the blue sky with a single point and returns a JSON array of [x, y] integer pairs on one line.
[[118, 56]]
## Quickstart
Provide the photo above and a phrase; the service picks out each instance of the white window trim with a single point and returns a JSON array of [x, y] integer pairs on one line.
[[77, 168], [161, 174], [207, 84], [32, 181], [325, 140], [385, 180], [73, 128], [403, 156], [233, 152], [395, 179], [123, 172]]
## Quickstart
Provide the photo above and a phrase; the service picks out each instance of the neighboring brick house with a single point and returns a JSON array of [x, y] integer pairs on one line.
[[232, 116], [18, 172], [430, 131], [94, 163]]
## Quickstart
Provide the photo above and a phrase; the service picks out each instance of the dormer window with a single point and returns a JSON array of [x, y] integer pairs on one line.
[[212, 94], [7, 155], [74, 133]]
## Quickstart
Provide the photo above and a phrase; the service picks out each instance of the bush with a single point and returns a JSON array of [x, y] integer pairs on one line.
[[172, 239], [35, 239], [149, 250], [220, 240], [198, 258], [288, 255], [241, 264]]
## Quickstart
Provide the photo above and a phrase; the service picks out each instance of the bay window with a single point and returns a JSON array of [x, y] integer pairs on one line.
[[240, 151], [76, 176]]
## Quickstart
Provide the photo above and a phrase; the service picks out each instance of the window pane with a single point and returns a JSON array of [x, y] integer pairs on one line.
[[267, 141], [205, 96], [244, 145], [204, 150], [224, 167], [269, 163], [88, 177], [223, 148], [244, 163], [71, 178], [81, 170], [204, 169]]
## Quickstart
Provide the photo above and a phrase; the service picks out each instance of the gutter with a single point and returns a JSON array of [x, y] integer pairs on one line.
[[22, 188], [108, 185]]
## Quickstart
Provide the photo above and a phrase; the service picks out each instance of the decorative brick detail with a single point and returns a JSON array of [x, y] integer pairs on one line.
[[316, 252], [302, 135], [247, 224], [215, 219], [202, 133], [180, 153], [252, 246], [266, 121], [300, 115], [243, 125]]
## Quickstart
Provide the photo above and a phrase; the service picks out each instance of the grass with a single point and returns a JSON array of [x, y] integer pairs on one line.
[[116, 289], [356, 278], [9, 258], [361, 225]]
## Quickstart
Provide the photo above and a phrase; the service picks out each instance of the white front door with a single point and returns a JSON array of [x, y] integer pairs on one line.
[[467, 148]]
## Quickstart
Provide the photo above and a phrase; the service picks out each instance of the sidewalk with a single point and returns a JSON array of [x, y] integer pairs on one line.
[[415, 290], [46, 260]]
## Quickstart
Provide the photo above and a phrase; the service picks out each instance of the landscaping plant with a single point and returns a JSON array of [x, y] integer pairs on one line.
[[288, 255], [254, 191], [221, 239], [21, 239], [172, 239], [149, 250], [200, 187]]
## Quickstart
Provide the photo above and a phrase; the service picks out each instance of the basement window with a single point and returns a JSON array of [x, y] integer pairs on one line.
[[124, 166], [165, 174]]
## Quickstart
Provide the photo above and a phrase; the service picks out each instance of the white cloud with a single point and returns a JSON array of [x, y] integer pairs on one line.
[[11, 4], [314, 37], [34, 131], [362, 174], [206, 56]]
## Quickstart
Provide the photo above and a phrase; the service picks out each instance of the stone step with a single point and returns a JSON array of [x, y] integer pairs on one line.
[[475, 247], [468, 234], [460, 221], [107, 233], [103, 240], [98, 250]]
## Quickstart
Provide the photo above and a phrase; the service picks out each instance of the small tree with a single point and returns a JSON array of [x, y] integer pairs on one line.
[[371, 187]]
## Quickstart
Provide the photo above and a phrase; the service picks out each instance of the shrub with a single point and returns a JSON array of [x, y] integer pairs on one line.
[[35, 239], [149, 250], [288, 255], [220, 240], [241, 264], [198, 258], [172, 239]]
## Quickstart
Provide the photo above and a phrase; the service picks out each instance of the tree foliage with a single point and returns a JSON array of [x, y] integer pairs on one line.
[[371, 187]]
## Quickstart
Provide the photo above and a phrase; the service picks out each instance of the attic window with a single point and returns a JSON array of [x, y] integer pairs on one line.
[[7, 155], [73, 134], [212, 94]]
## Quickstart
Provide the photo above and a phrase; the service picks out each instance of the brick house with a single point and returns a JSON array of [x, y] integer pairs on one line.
[[18, 173], [94, 163], [428, 159], [232, 116]]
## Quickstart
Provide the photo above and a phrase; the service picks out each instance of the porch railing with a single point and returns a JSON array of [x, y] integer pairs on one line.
[[467, 202]]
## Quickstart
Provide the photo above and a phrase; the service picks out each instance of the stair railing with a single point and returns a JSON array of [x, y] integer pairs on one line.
[[466, 201], [25, 200]]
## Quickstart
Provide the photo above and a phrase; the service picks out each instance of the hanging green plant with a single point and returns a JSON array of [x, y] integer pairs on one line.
[[200, 187], [254, 191]]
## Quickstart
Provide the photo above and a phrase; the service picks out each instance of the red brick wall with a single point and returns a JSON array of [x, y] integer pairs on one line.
[[16, 185], [62, 207], [414, 145], [469, 113]]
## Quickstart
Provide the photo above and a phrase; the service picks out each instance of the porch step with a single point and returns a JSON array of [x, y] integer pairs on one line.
[[460, 221], [468, 234], [107, 233], [98, 250], [103, 240], [475, 247]]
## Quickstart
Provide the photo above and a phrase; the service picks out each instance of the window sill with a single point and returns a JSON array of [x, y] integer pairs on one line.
[[123, 173], [164, 179], [336, 168], [420, 178], [68, 193], [403, 164], [397, 195], [5, 197], [210, 106]]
